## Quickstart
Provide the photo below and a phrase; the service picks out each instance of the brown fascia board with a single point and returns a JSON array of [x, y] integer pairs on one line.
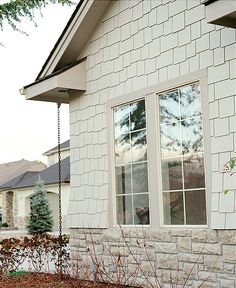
[[60, 38], [208, 2]]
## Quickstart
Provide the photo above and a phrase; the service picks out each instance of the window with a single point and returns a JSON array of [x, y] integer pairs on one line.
[[159, 160], [131, 171], [182, 156]]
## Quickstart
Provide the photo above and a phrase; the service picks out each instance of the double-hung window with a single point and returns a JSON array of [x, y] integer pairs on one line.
[[177, 133], [182, 156], [131, 169]]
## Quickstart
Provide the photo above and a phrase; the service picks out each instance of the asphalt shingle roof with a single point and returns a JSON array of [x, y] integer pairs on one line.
[[48, 175]]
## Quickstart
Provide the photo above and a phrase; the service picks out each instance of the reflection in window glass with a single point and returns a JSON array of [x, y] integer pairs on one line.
[[141, 209], [140, 178], [131, 172], [173, 208], [182, 155], [172, 174], [194, 171], [192, 138], [195, 207], [139, 146], [124, 210], [123, 179], [170, 140]]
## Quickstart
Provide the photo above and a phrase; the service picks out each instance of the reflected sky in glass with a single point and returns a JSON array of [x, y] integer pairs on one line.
[[170, 140], [192, 135], [169, 107], [123, 150], [121, 120], [137, 116], [139, 146], [190, 101]]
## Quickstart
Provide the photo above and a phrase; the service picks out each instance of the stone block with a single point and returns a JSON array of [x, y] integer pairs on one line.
[[213, 263], [158, 235], [190, 258], [184, 244], [229, 253], [205, 236], [206, 248], [167, 261], [169, 248]]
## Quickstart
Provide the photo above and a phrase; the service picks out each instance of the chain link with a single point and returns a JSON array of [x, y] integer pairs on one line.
[[59, 167]]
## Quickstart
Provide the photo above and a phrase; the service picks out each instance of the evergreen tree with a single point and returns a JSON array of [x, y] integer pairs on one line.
[[41, 220]]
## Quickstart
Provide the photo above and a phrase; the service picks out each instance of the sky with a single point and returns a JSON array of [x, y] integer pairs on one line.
[[29, 128]]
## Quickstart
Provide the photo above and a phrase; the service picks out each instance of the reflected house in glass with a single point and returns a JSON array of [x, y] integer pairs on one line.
[[151, 89]]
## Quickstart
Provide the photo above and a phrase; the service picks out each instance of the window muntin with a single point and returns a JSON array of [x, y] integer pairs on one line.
[[131, 171], [182, 156]]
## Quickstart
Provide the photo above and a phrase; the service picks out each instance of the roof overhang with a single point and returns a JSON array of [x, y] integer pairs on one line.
[[221, 12], [56, 87], [75, 36]]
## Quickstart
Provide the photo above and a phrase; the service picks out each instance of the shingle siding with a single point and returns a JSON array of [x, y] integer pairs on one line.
[[138, 44]]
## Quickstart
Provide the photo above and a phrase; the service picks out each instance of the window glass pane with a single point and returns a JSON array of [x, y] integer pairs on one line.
[[140, 178], [172, 174], [169, 107], [131, 173], [123, 150], [192, 135], [195, 207], [137, 115], [123, 180], [121, 120], [181, 138], [194, 171], [139, 146], [170, 140], [141, 209], [190, 101], [124, 210], [173, 208]]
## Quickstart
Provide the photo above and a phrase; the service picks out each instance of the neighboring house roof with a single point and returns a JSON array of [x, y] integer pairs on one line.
[[10, 170], [48, 175], [64, 146]]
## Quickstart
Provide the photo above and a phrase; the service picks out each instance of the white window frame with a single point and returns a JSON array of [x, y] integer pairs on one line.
[[150, 95]]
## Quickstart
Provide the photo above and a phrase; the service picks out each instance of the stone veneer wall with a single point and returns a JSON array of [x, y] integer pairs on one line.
[[209, 256]]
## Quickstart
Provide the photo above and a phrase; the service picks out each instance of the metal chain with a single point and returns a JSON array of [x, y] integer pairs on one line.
[[59, 168]]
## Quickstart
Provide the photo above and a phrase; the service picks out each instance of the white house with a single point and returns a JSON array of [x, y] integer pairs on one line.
[[151, 87]]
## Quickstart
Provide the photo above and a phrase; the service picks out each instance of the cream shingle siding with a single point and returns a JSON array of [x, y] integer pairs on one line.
[[138, 44]]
